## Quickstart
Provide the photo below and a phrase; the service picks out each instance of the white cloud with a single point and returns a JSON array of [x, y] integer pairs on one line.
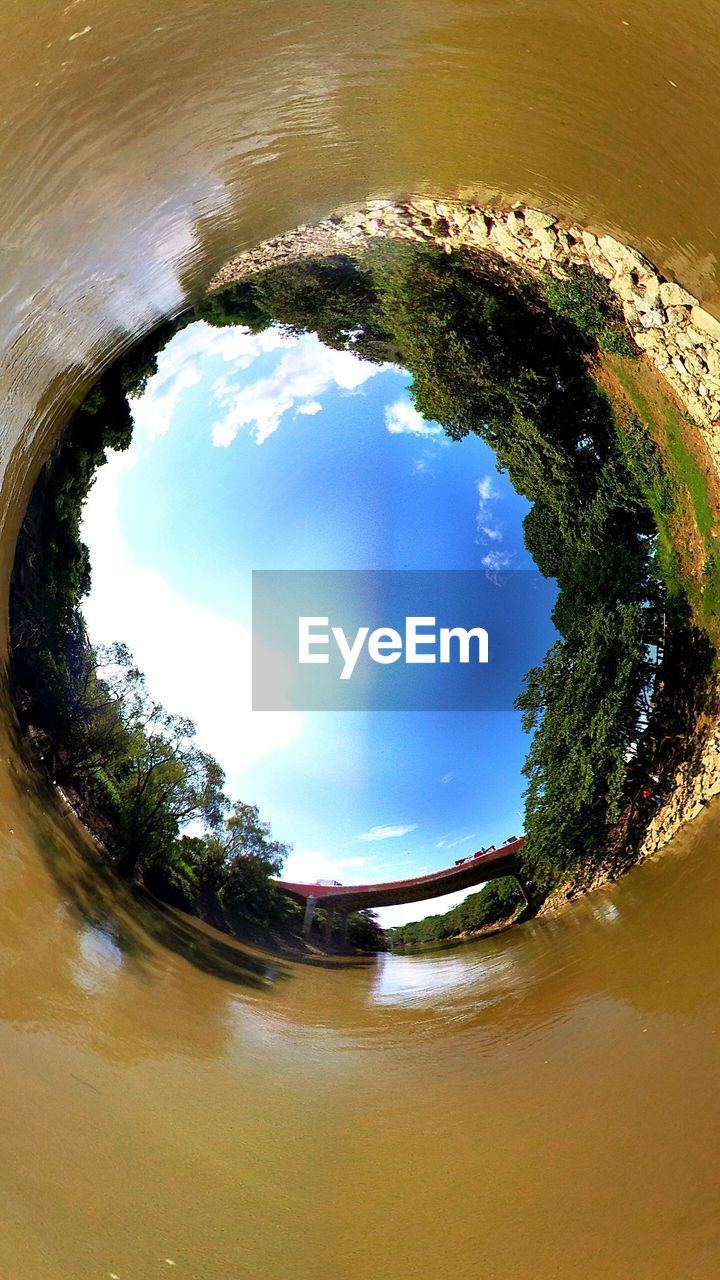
[[447, 777], [310, 408], [307, 866], [388, 832], [303, 373], [197, 662], [179, 368], [496, 560], [486, 529], [402, 418], [154, 412]]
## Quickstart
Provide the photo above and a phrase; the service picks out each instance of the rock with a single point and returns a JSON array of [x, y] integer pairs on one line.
[[673, 295], [538, 221], [652, 319], [702, 319], [579, 256], [600, 264], [421, 208], [623, 285], [678, 316], [643, 303], [697, 339], [547, 241], [623, 256], [503, 240], [693, 364], [652, 292], [645, 339], [478, 230], [696, 407]]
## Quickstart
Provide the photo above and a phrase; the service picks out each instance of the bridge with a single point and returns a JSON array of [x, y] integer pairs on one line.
[[476, 868]]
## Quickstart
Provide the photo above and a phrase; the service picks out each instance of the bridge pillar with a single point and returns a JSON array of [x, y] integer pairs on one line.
[[524, 887], [533, 899], [344, 928], [329, 920], [310, 906]]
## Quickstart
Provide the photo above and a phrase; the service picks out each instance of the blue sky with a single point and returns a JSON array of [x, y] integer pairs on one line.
[[263, 452]]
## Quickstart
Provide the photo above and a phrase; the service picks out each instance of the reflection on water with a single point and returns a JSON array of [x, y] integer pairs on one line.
[[98, 961], [540, 1104], [441, 981]]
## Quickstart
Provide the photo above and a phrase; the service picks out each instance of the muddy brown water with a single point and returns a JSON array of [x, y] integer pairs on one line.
[[543, 1104]]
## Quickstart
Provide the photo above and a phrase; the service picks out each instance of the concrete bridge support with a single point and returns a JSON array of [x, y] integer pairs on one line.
[[310, 906], [533, 898]]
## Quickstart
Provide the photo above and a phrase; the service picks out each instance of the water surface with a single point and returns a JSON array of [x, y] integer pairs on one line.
[[543, 1104]]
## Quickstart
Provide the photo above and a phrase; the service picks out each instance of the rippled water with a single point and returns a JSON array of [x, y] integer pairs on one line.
[[541, 1104]]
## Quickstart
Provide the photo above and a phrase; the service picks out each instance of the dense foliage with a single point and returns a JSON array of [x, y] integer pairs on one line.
[[586, 301], [489, 355], [133, 770], [497, 901], [515, 365]]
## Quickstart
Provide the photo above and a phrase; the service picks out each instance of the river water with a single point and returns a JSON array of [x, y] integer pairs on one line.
[[543, 1104]]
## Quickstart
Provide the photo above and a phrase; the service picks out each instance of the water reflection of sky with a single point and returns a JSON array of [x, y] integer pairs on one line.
[[415, 981], [98, 960]]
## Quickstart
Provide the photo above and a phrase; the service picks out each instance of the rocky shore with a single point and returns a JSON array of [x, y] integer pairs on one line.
[[676, 334]]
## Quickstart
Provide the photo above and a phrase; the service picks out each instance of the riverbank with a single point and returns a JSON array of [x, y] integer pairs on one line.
[[679, 345], [460, 939], [164, 919], [679, 337]]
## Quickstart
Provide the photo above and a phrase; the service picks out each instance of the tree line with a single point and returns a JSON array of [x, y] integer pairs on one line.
[[133, 771], [488, 354], [517, 364], [499, 901]]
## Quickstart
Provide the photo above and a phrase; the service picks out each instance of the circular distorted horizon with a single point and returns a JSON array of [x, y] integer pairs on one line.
[[299, 213], [301, 447], [335, 470]]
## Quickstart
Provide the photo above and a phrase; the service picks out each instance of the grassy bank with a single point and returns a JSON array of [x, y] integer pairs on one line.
[[685, 498]]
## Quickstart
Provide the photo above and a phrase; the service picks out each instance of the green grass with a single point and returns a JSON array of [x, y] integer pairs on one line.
[[685, 475]]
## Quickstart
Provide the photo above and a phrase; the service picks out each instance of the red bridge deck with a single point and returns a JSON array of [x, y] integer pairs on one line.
[[504, 861]]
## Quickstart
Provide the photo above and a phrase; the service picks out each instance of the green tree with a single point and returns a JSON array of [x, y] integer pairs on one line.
[[238, 858], [582, 705]]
